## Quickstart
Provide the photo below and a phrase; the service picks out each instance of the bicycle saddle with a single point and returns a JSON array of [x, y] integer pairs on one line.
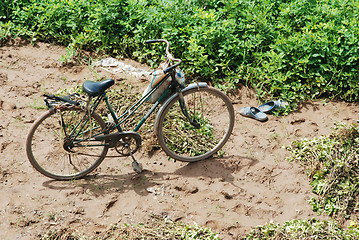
[[97, 88]]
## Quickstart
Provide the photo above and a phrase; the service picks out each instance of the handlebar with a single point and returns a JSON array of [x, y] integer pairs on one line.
[[161, 40], [155, 40], [173, 66], [168, 54]]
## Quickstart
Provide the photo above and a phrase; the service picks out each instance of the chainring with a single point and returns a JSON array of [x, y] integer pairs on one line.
[[128, 144]]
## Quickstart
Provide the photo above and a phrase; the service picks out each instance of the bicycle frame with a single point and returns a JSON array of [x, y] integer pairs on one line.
[[129, 112], [192, 123]]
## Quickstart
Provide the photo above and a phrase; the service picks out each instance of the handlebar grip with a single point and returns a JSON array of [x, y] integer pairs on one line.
[[152, 41], [170, 68], [173, 66]]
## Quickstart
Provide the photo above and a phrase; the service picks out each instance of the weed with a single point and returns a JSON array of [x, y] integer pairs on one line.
[[63, 78], [157, 228], [303, 229], [68, 57], [51, 217], [5, 31], [274, 136], [332, 166], [37, 103]]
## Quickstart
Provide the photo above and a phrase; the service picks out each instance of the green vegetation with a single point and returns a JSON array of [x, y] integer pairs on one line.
[[158, 228], [333, 168], [165, 229], [294, 50], [304, 229]]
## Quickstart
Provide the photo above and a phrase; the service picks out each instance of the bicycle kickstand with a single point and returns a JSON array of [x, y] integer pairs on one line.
[[136, 166]]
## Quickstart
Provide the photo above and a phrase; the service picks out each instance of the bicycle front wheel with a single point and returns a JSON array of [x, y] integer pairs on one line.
[[213, 114], [61, 143]]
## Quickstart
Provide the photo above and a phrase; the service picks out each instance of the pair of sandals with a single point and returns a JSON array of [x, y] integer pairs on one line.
[[259, 113]]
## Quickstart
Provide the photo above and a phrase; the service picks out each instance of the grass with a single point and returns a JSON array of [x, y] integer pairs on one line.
[[161, 228], [333, 170], [304, 230], [155, 228], [37, 104], [332, 164]]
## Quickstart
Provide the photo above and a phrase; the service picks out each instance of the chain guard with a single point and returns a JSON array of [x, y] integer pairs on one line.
[[125, 143]]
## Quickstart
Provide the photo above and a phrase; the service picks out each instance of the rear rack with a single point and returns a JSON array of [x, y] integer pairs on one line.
[[52, 101]]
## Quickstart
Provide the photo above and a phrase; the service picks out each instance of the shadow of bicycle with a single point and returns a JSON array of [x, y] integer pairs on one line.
[[96, 184]]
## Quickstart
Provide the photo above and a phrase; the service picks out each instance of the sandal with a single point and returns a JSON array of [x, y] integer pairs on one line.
[[253, 112], [272, 105]]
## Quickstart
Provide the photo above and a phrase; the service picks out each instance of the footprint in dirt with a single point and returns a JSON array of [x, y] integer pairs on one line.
[[217, 168]]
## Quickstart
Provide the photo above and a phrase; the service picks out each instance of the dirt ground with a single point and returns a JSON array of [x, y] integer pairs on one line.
[[252, 185]]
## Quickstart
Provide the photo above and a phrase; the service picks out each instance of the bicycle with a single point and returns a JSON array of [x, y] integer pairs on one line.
[[71, 139]]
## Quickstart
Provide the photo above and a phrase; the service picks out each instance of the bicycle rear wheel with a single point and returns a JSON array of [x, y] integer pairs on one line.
[[211, 109], [60, 143]]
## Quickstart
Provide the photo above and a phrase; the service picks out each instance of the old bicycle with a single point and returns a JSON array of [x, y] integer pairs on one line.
[[71, 139]]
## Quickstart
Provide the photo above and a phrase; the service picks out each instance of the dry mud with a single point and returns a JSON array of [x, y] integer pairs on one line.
[[252, 185]]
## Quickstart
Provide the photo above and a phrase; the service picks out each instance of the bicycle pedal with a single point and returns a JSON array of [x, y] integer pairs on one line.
[[136, 167]]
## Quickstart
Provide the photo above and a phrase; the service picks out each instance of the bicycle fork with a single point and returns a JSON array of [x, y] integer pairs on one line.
[[185, 111]]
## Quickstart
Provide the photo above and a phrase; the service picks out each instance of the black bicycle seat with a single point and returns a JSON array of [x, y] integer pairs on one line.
[[97, 88]]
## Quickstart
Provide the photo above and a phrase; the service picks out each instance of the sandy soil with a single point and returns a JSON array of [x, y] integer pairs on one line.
[[251, 186]]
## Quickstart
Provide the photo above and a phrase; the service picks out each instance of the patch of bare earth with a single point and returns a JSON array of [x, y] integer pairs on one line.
[[252, 185]]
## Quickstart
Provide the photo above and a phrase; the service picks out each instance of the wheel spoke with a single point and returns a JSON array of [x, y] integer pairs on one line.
[[51, 151], [213, 114]]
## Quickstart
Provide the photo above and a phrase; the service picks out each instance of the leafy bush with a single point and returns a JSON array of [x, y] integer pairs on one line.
[[5, 9], [315, 53], [333, 167], [79, 23], [294, 50], [5, 31]]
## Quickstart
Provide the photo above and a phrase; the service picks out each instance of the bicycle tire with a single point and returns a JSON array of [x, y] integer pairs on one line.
[[49, 152], [214, 112]]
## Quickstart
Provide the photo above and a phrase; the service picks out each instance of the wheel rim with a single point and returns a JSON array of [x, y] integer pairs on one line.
[[183, 141], [53, 156]]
